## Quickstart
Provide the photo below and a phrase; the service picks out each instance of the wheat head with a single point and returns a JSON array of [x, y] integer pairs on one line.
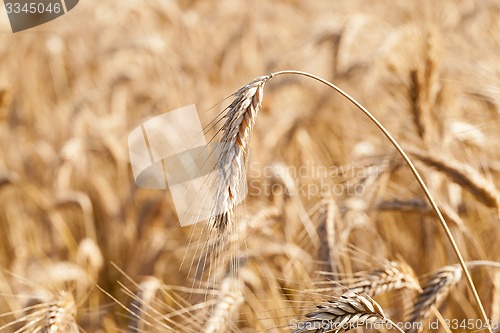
[[436, 289], [228, 304], [61, 315], [348, 311], [231, 163], [466, 176], [396, 275]]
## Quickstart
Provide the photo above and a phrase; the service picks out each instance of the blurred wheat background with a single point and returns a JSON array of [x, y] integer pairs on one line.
[[83, 246]]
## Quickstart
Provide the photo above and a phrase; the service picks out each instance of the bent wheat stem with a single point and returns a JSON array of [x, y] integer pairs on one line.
[[413, 169]]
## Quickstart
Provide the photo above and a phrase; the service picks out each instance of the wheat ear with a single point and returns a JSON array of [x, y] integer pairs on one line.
[[55, 316], [142, 302], [228, 304], [61, 315], [464, 175], [327, 216], [231, 163], [422, 89], [348, 311], [436, 289], [395, 275]]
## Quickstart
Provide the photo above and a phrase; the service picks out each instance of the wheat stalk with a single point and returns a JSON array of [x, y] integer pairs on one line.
[[348, 311], [434, 292], [231, 163]]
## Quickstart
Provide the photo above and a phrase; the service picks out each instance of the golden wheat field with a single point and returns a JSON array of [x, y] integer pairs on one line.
[[315, 221]]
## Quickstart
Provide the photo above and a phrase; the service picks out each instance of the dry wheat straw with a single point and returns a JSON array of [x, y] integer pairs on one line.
[[348, 311], [231, 163], [437, 287]]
